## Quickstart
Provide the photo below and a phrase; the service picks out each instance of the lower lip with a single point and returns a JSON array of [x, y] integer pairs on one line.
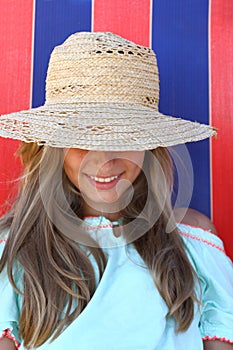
[[104, 185]]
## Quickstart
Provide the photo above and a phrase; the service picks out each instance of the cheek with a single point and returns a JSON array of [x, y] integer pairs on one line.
[[135, 171], [135, 164], [73, 163]]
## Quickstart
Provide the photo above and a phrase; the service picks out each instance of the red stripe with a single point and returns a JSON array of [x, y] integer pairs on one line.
[[15, 72], [130, 19], [221, 51]]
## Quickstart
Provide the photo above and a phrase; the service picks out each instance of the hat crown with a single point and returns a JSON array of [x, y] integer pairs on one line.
[[92, 67]]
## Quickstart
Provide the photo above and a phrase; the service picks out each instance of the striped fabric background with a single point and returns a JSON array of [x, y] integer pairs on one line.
[[193, 41]]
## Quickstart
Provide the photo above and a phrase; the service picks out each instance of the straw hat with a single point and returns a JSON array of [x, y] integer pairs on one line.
[[102, 93]]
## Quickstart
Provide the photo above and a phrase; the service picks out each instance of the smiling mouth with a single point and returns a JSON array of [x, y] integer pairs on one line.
[[104, 179]]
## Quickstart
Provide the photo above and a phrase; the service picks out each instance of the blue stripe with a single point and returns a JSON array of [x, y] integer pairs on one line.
[[180, 38], [55, 20]]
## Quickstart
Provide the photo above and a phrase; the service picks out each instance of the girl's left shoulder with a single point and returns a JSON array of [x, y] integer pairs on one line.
[[199, 237], [215, 273], [205, 251]]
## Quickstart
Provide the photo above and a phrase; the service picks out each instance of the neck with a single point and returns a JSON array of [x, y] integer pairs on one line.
[[110, 212]]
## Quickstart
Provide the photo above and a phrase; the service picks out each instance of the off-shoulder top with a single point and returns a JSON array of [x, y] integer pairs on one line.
[[126, 311]]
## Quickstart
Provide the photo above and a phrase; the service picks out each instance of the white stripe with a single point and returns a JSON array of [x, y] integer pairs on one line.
[[92, 15], [210, 109], [32, 50], [151, 23]]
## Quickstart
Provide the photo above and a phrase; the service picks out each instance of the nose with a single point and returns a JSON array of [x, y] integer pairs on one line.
[[104, 161]]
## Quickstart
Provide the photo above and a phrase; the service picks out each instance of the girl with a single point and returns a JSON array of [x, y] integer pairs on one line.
[[91, 255]]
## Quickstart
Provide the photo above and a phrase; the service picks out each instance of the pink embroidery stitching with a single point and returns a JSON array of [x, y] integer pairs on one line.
[[209, 232], [202, 240], [218, 338], [7, 333], [95, 227], [91, 227], [2, 240]]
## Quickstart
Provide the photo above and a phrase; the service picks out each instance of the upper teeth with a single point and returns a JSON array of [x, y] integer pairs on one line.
[[104, 179]]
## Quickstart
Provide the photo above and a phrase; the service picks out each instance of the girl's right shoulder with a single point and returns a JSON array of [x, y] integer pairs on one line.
[[3, 238], [9, 305], [4, 235]]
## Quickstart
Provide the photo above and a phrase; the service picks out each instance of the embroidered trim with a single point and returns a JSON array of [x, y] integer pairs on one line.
[[112, 224], [2, 240], [7, 334], [198, 227], [223, 339], [202, 240], [92, 227]]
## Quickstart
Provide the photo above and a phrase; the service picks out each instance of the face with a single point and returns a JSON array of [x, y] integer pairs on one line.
[[102, 177]]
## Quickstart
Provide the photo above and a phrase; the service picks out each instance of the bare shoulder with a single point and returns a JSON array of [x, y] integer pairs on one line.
[[7, 344], [193, 217], [217, 345]]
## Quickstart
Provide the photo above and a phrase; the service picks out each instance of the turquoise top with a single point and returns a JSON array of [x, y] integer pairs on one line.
[[127, 312]]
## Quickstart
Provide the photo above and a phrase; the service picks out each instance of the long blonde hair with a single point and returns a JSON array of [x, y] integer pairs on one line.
[[58, 278]]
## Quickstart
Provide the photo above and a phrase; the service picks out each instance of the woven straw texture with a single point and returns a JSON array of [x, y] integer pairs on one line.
[[102, 93]]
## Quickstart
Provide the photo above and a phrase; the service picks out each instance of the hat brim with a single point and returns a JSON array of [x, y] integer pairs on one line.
[[100, 126]]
